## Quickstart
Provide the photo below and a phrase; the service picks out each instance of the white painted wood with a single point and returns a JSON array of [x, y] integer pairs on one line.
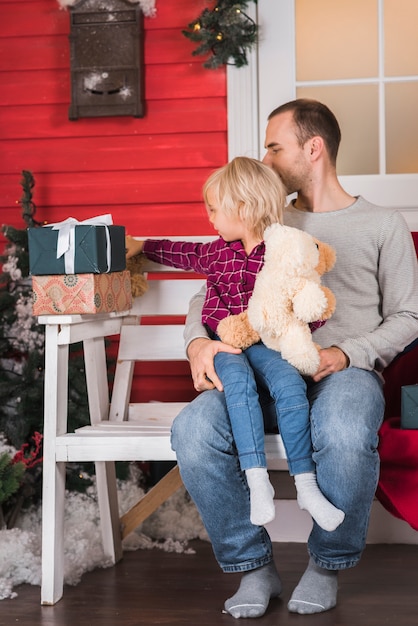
[[107, 497], [79, 330], [59, 333], [153, 343], [123, 432], [276, 60], [122, 385], [96, 377], [242, 104], [293, 525], [268, 80], [167, 297], [56, 370], [98, 398]]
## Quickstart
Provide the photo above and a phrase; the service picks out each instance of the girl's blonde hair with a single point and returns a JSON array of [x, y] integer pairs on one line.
[[248, 189]]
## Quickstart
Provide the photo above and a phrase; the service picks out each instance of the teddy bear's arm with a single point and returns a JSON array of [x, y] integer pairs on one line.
[[329, 311], [310, 302]]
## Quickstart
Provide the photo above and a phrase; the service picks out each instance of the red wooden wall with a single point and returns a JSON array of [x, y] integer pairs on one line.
[[146, 172]]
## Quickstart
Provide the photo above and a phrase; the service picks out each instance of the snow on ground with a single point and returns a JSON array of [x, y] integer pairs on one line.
[[169, 528]]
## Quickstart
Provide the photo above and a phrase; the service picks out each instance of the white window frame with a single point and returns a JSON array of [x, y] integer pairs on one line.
[[252, 94]]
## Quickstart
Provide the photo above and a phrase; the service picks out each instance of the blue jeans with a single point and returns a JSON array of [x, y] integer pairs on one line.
[[346, 413], [238, 373]]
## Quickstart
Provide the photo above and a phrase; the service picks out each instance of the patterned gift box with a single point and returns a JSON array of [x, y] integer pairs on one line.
[[70, 247], [81, 293], [409, 406]]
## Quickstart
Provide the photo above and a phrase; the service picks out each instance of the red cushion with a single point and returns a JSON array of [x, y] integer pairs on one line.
[[398, 483]]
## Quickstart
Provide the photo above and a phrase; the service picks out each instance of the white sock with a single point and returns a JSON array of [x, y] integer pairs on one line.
[[311, 499], [261, 496]]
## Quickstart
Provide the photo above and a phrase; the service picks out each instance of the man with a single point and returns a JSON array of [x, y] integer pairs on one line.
[[375, 282]]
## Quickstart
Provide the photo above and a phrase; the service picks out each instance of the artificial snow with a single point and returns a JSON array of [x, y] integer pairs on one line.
[[169, 528], [147, 6]]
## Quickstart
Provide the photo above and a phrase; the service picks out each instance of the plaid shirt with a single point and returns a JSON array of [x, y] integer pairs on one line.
[[230, 272]]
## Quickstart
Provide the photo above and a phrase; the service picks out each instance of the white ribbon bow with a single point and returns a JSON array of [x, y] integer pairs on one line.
[[66, 238]]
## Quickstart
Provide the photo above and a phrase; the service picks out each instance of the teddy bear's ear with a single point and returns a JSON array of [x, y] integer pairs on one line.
[[274, 230]]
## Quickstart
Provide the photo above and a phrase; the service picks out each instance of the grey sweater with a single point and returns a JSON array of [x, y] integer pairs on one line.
[[375, 281]]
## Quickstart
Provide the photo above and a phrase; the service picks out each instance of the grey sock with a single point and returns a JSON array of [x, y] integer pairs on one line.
[[256, 589], [316, 591]]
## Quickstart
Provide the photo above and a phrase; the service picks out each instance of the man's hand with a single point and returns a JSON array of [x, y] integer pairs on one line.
[[201, 353], [330, 360]]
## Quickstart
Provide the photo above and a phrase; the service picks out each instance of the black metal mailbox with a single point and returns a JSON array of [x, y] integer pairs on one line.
[[107, 60]]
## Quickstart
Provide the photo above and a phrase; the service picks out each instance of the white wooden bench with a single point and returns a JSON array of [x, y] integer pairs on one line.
[[119, 430]]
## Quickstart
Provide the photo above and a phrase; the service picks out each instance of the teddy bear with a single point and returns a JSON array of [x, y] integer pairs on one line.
[[139, 284], [287, 297]]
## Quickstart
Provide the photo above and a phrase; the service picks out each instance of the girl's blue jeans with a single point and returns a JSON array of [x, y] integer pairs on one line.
[[238, 373], [346, 413]]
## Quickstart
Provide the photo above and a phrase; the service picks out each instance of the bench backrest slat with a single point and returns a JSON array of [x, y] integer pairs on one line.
[[167, 296]]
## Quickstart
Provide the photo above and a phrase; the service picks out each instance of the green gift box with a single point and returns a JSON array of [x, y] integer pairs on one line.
[[409, 406], [91, 247]]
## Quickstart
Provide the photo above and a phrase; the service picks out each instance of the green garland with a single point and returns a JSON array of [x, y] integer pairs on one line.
[[224, 32]]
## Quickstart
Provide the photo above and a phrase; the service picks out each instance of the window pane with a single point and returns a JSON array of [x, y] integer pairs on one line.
[[356, 108], [336, 39], [401, 128], [401, 40]]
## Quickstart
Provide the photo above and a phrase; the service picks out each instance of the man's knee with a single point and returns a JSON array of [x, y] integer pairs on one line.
[[194, 425]]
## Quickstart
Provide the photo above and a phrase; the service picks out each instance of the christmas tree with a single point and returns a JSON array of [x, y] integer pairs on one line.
[[22, 376]]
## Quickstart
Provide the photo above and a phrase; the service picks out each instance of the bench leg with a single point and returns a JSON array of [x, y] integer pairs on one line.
[[53, 496], [53, 475], [151, 501], [109, 510], [98, 397]]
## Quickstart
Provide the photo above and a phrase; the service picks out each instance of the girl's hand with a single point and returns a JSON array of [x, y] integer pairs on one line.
[[132, 246]]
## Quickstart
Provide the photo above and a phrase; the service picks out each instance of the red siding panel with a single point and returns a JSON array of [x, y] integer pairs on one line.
[[189, 115], [147, 172], [160, 159]]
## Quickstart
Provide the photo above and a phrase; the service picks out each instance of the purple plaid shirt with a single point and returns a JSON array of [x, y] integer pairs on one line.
[[229, 270]]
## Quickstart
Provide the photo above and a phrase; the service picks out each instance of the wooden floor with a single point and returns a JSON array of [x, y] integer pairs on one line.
[[155, 587]]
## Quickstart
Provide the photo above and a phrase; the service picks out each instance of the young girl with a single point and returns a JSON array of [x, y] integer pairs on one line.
[[242, 199]]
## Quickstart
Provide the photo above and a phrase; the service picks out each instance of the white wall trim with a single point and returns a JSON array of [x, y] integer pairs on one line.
[[293, 525], [268, 64], [242, 104]]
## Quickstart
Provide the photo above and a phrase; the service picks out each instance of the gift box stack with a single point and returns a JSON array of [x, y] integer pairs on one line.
[[79, 267]]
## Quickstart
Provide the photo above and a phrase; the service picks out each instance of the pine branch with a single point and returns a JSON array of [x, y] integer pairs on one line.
[[224, 32], [28, 206], [10, 476]]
